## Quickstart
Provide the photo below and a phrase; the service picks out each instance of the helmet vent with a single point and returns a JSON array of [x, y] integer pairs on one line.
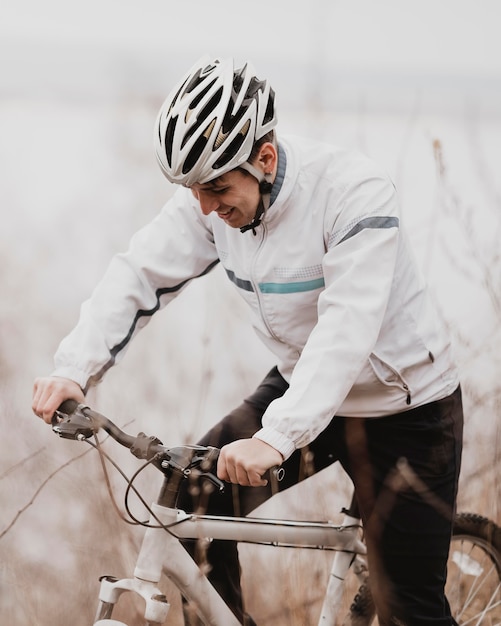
[[270, 109], [196, 101], [200, 117], [221, 136], [210, 107], [232, 150], [169, 138], [194, 154], [195, 80], [210, 122], [207, 132]]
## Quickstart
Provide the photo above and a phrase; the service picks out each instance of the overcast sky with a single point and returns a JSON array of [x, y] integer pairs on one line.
[[458, 36], [60, 59]]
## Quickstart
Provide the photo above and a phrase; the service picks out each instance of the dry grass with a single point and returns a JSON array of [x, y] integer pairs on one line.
[[59, 535]]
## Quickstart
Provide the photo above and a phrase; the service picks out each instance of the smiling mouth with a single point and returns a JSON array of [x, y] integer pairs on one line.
[[225, 214]]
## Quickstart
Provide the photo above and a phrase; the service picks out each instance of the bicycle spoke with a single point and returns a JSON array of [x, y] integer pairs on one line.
[[474, 588]]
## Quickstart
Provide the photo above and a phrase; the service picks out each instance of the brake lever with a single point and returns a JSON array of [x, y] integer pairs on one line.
[[211, 478], [76, 426]]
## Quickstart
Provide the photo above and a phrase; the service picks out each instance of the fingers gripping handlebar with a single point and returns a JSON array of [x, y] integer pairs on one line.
[[79, 422], [70, 422]]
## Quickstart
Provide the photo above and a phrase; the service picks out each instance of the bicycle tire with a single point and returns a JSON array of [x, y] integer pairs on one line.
[[473, 585]]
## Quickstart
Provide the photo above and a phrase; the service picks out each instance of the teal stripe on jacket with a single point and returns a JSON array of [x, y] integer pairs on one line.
[[297, 287]]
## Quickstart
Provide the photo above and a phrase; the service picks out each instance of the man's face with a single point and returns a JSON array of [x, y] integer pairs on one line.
[[234, 196]]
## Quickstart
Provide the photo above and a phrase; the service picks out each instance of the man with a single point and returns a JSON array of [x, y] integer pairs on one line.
[[310, 235]]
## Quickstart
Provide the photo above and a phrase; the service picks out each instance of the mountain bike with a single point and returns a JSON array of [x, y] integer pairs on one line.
[[474, 569]]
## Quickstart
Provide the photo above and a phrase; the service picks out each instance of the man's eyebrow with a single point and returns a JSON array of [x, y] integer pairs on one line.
[[213, 184]]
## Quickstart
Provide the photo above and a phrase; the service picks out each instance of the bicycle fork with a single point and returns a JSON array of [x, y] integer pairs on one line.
[[341, 564], [156, 605], [162, 552], [146, 578]]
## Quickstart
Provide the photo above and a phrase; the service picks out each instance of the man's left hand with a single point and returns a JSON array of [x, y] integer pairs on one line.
[[245, 461]]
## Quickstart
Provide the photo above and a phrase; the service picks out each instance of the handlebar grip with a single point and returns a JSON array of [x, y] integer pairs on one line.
[[68, 407], [70, 422]]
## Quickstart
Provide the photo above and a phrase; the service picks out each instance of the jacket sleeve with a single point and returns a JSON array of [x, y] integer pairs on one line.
[[359, 268], [162, 258]]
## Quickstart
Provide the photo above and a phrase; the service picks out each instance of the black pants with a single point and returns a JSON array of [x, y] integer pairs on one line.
[[407, 529]]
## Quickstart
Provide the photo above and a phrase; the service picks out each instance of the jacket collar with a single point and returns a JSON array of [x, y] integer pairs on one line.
[[279, 178]]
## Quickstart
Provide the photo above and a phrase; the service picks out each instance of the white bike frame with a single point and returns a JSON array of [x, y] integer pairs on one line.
[[161, 551]]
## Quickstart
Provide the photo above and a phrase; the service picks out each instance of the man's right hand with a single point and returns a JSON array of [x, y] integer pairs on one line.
[[50, 392]]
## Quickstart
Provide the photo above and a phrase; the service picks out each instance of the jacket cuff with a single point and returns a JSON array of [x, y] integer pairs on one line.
[[276, 440], [73, 374]]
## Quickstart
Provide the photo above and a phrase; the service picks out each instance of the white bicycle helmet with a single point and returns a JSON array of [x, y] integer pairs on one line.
[[210, 121]]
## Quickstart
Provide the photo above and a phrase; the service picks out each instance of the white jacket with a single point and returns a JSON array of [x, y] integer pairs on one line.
[[329, 276]]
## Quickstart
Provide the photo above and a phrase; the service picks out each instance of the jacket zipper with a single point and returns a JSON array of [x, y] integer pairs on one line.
[[399, 377], [255, 285]]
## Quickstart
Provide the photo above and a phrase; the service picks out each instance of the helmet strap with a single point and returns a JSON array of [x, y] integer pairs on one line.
[[265, 186], [256, 221]]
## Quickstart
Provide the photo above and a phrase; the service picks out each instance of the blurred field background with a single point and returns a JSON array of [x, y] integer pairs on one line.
[[416, 86]]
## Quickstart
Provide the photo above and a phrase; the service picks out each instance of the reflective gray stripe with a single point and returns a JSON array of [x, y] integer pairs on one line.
[[290, 287], [149, 312], [372, 222], [139, 314], [239, 282]]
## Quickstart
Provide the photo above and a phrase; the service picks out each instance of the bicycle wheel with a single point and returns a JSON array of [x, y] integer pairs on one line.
[[474, 571], [473, 585]]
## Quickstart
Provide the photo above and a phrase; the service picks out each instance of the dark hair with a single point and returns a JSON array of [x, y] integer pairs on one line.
[[268, 138]]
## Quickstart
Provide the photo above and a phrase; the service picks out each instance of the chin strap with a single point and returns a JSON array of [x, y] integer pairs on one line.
[[256, 221], [265, 187]]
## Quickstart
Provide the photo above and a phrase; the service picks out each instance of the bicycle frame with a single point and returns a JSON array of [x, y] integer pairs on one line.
[[161, 551], [477, 561]]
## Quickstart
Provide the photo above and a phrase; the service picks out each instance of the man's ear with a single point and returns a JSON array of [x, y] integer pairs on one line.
[[267, 158]]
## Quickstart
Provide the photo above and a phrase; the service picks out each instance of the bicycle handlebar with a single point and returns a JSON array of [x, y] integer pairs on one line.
[[79, 422]]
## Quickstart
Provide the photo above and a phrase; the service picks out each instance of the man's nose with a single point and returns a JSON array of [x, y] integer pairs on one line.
[[208, 202]]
